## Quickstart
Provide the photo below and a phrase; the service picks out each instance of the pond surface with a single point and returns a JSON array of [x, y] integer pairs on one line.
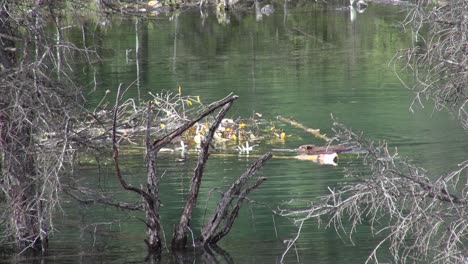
[[302, 62]]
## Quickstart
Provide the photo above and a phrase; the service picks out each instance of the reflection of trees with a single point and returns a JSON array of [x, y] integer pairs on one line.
[[304, 40], [298, 41], [209, 254]]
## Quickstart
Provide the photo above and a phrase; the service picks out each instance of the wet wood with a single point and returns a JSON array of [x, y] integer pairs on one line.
[[222, 220], [153, 180], [179, 238], [313, 131], [317, 150], [215, 230], [151, 200]]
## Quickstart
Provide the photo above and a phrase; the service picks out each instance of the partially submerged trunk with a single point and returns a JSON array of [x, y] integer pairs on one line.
[[221, 221], [153, 204], [179, 238], [150, 194], [224, 215]]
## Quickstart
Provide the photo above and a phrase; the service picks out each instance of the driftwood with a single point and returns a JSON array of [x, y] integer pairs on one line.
[[313, 131]]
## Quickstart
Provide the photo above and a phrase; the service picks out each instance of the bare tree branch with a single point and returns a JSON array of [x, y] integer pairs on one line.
[[209, 233], [400, 202], [438, 59], [122, 182], [179, 238], [235, 212], [160, 143]]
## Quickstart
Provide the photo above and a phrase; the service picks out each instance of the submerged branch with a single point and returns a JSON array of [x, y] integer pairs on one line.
[[100, 199], [235, 212], [209, 233], [118, 173], [179, 237]]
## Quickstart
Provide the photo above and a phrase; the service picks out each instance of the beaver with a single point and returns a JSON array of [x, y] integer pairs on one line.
[[317, 150]]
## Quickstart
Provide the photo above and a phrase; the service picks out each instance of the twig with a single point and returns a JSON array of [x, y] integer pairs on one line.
[[124, 184], [292, 242], [160, 143]]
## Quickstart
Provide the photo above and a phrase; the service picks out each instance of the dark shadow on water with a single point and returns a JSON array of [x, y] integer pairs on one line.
[[153, 258], [209, 254], [9, 255]]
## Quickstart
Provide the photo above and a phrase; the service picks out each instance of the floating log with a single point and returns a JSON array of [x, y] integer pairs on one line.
[[313, 131], [323, 159]]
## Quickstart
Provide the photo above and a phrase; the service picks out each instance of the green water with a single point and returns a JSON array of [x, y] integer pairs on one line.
[[304, 62]]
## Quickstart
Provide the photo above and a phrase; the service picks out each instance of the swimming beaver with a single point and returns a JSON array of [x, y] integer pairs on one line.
[[317, 150]]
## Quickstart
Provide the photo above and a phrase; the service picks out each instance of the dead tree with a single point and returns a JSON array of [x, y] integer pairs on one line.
[[19, 173], [151, 195], [179, 238], [15, 145], [438, 58], [213, 231]]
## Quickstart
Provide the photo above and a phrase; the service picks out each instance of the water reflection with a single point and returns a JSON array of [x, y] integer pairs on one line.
[[210, 254]]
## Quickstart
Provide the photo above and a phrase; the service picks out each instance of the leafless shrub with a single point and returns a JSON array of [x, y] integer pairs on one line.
[[439, 56], [38, 105], [417, 217], [223, 217]]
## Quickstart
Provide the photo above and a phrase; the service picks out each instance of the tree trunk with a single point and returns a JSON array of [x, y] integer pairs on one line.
[[150, 195], [221, 221], [152, 205], [179, 236]]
